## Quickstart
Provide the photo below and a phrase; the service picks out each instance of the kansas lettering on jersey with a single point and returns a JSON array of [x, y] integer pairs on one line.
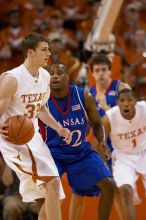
[[128, 136], [70, 113]]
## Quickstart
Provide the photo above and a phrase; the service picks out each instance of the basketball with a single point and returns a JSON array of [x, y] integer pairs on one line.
[[20, 129]]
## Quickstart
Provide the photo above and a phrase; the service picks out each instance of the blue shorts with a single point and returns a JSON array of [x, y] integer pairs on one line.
[[84, 174]]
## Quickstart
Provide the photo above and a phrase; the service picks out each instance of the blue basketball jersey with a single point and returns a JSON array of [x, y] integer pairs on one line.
[[111, 95], [111, 98], [70, 113], [83, 165]]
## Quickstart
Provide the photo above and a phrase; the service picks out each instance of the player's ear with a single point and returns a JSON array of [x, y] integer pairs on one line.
[[29, 52]]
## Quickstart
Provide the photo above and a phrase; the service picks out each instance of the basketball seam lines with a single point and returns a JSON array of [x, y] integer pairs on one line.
[[12, 131], [14, 138], [25, 134], [21, 125]]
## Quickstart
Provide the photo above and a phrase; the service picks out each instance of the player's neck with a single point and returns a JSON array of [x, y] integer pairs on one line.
[[32, 69], [103, 86]]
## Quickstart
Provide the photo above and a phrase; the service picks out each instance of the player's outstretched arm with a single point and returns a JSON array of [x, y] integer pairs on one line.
[[97, 125], [46, 117], [106, 124]]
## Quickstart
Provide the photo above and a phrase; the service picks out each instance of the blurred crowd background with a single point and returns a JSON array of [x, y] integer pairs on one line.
[[67, 24]]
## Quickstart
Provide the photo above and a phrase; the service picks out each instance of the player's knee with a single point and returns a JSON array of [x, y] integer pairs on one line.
[[107, 187], [11, 209], [77, 200], [53, 185], [126, 192], [10, 205]]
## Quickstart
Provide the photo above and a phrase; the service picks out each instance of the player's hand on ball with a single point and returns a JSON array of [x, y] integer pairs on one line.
[[104, 151], [3, 132], [64, 132]]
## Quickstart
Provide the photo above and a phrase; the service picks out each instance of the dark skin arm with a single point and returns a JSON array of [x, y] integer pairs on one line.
[[97, 126]]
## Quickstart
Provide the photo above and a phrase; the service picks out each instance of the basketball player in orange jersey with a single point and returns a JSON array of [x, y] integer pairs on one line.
[[24, 90], [126, 124]]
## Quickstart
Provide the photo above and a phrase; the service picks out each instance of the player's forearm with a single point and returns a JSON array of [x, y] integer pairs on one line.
[[101, 146], [46, 117], [99, 132]]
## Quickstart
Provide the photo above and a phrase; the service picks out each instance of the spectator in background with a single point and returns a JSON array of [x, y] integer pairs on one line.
[[128, 22], [105, 48], [11, 38], [68, 37], [60, 53], [141, 6], [137, 58], [36, 16]]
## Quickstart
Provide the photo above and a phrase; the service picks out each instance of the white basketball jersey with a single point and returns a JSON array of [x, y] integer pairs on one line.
[[128, 136], [30, 94]]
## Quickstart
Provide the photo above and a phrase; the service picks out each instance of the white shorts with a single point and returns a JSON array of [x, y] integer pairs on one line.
[[33, 165], [127, 168]]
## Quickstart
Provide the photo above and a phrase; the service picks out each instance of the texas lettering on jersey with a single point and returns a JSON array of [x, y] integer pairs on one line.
[[32, 103], [30, 98], [132, 134]]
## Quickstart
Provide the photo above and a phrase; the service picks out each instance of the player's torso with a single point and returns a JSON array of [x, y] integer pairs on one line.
[[129, 135], [70, 113], [111, 95], [111, 98], [30, 92]]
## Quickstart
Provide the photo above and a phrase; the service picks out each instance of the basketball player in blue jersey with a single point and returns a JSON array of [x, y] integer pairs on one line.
[[105, 92], [106, 89], [86, 171]]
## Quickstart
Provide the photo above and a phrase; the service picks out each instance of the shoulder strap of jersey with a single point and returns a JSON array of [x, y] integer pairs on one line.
[[117, 86], [80, 101]]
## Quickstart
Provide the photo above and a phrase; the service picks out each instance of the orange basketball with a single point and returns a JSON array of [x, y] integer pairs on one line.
[[20, 129]]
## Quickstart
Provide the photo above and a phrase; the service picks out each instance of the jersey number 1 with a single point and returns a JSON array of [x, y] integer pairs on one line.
[[134, 143]]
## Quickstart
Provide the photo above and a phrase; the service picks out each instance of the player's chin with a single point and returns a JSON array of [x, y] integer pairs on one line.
[[45, 64], [126, 114], [55, 87]]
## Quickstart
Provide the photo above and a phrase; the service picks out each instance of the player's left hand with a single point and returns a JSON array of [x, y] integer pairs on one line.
[[64, 132], [104, 151]]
